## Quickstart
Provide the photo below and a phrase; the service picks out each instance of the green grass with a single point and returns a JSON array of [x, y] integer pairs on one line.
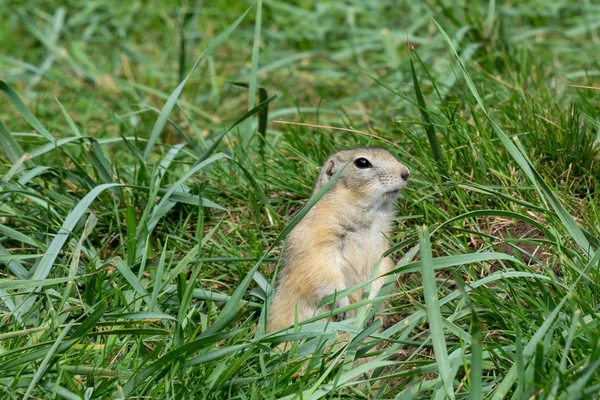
[[144, 201]]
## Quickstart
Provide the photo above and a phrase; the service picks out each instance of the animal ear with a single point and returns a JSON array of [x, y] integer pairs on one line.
[[327, 171], [331, 168]]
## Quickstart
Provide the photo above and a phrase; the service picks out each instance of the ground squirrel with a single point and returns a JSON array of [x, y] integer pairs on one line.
[[339, 242]]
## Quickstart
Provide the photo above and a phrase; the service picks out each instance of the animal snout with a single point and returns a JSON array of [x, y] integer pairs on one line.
[[404, 173]]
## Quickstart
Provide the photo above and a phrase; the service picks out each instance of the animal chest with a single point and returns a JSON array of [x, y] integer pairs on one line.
[[360, 251]]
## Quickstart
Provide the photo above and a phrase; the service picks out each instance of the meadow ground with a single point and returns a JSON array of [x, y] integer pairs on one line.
[[153, 156]]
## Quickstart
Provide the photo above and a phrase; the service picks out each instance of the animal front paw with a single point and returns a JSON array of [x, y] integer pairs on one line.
[[341, 316]]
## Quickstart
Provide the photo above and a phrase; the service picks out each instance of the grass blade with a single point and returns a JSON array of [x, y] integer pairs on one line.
[[9, 145], [158, 277], [253, 84], [46, 361], [18, 236], [476, 366], [24, 111], [14, 266], [14, 284], [453, 261], [43, 269], [436, 148], [434, 316], [135, 283], [101, 164]]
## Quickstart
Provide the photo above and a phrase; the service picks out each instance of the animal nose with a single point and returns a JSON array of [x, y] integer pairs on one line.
[[405, 173]]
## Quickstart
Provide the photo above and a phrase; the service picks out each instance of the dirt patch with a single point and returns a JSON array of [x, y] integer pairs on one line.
[[520, 239]]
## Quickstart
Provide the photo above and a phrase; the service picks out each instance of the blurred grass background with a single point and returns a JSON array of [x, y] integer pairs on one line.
[[144, 202]]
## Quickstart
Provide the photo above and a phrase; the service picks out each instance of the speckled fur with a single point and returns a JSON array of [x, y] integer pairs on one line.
[[339, 242]]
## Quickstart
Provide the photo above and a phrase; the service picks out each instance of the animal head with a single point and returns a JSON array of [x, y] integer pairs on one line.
[[371, 175]]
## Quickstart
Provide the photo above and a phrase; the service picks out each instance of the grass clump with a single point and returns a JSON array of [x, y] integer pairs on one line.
[[144, 200]]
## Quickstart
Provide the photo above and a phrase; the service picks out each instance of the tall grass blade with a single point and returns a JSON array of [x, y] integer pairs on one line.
[[130, 223], [263, 118], [24, 111], [89, 226], [14, 284], [453, 261], [538, 366], [476, 357], [90, 321], [14, 266], [18, 236], [101, 164], [436, 148], [217, 354], [434, 315], [9, 145], [158, 277], [253, 81], [46, 361], [70, 121], [185, 302], [43, 269], [135, 283]]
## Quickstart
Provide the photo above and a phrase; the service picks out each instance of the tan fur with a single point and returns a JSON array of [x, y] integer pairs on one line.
[[338, 243]]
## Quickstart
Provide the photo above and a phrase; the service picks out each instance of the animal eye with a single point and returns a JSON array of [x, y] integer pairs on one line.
[[362, 163]]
